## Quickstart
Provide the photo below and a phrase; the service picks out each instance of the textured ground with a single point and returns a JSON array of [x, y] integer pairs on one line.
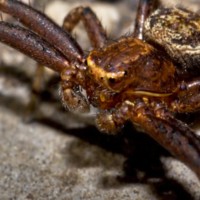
[[59, 156]]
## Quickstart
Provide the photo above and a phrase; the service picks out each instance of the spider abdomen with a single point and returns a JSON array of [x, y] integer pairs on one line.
[[178, 32]]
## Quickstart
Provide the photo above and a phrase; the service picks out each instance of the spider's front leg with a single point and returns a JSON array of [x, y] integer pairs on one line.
[[33, 46], [172, 134], [60, 41], [94, 29], [39, 23], [145, 8]]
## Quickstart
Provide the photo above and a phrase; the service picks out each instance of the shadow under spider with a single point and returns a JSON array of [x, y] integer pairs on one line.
[[141, 152], [14, 72], [142, 157]]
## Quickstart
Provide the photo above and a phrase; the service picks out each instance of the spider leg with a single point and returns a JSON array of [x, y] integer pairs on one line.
[[33, 46], [175, 136], [43, 26], [145, 7], [95, 31], [172, 134], [72, 82], [187, 99], [51, 33]]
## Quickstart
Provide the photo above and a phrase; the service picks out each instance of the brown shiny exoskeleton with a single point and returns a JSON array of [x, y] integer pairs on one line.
[[135, 78]]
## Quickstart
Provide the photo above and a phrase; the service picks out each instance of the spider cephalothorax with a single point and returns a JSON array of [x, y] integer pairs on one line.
[[127, 80]]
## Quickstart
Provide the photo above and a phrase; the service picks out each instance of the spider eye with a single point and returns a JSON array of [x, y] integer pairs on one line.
[[117, 80], [111, 80]]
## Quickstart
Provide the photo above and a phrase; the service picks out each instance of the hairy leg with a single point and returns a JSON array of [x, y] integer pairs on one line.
[[43, 26], [172, 134], [95, 31], [145, 8], [187, 99], [33, 46]]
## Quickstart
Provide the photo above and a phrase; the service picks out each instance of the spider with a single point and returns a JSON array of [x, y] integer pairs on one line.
[[135, 78]]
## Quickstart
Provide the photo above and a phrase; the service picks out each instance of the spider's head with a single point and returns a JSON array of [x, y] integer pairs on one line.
[[114, 66], [131, 64], [111, 79]]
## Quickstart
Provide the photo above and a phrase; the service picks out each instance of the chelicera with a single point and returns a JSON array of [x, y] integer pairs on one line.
[[132, 79]]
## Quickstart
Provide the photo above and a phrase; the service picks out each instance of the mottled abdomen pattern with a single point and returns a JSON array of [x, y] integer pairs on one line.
[[178, 32]]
